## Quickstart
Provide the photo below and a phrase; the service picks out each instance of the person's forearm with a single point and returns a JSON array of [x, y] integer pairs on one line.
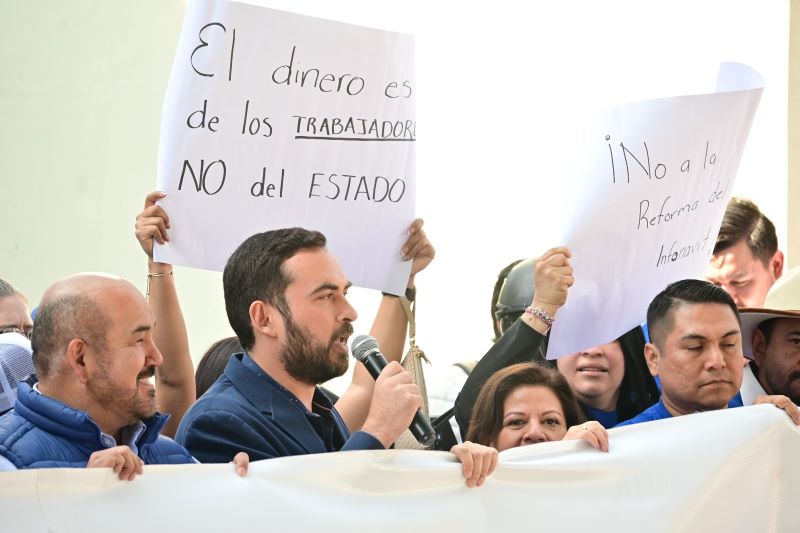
[[389, 329], [175, 377], [519, 344], [536, 323]]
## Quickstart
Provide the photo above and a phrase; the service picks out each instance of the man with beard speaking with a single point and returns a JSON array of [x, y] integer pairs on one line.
[[286, 299]]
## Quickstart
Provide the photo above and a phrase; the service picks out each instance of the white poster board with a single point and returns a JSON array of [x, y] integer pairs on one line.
[[649, 191], [276, 120]]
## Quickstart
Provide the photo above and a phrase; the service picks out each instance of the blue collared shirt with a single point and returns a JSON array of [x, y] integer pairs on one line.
[[654, 412], [659, 412]]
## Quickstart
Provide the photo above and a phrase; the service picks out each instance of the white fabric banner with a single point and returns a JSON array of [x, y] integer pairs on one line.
[[275, 120], [735, 470], [648, 195]]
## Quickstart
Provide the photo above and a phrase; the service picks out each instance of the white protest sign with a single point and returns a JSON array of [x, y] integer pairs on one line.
[[276, 120], [649, 193]]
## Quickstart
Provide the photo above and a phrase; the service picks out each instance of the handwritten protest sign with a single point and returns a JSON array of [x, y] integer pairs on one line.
[[275, 120], [649, 193]]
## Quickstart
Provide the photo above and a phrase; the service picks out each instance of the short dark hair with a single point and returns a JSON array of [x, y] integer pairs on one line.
[[487, 414], [213, 363], [254, 272], [692, 291], [60, 320], [743, 220]]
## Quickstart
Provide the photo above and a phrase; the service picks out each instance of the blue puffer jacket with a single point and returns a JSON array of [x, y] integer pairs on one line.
[[41, 432]]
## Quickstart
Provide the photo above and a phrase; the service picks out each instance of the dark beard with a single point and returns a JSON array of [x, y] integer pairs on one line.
[[310, 362], [791, 387]]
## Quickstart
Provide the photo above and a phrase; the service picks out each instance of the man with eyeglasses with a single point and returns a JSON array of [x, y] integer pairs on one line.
[[16, 364], [14, 313], [15, 346]]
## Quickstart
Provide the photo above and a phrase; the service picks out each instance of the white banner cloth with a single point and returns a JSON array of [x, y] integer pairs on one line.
[[274, 120], [648, 194], [735, 470]]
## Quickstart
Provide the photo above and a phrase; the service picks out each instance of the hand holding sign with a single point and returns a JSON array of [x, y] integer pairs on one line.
[[152, 223], [553, 278], [418, 249], [652, 183], [268, 125]]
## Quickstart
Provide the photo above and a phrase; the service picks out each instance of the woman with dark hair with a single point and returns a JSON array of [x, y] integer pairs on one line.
[[527, 404], [613, 386], [611, 381], [214, 361]]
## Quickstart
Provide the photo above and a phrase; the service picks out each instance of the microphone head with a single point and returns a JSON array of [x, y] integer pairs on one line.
[[362, 346]]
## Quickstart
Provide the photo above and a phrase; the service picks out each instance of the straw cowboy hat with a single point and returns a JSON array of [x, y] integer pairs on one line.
[[783, 301]]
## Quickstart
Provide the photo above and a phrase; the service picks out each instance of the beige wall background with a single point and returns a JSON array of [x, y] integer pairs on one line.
[[793, 127], [80, 105], [80, 101]]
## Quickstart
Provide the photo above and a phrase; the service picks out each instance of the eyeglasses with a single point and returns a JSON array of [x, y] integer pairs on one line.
[[15, 329]]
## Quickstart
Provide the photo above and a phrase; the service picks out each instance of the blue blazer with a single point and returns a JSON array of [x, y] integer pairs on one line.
[[246, 410]]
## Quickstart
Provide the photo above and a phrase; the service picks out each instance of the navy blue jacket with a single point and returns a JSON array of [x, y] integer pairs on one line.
[[246, 410], [41, 432]]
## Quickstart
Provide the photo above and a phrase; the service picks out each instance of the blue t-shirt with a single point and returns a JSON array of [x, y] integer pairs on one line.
[[659, 411], [655, 412], [608, 419], [737, 400]]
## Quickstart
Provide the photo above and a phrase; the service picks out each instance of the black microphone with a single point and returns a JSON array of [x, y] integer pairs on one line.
[[365, 349]]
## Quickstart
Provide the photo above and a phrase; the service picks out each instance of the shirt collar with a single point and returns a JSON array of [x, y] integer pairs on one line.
[[319, 399], [128, 435]]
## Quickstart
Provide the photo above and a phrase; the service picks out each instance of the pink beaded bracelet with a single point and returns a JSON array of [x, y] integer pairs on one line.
[[540, 313]]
